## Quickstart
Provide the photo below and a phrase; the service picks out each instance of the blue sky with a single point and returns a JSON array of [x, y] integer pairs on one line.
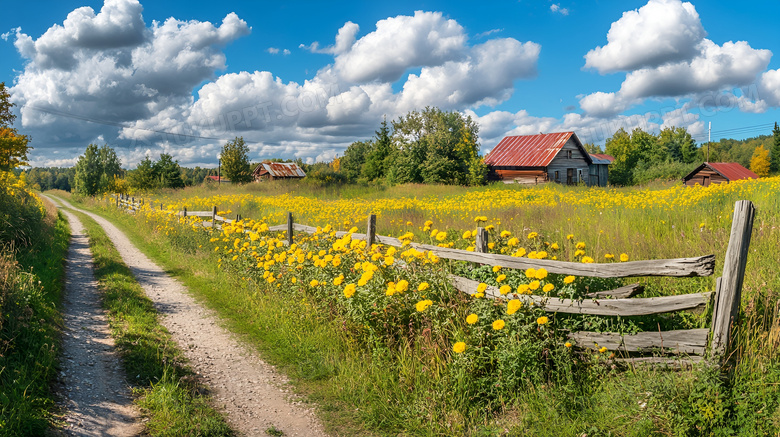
[[305, 79]]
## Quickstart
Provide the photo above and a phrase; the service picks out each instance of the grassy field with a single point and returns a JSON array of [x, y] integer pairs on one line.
[[379, 363], [31, 280]]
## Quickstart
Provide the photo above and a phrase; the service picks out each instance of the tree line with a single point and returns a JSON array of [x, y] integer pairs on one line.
[[672, 153], [429, 146]]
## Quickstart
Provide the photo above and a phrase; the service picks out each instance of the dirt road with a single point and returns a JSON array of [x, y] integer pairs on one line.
[[251, 393], [92, 386]]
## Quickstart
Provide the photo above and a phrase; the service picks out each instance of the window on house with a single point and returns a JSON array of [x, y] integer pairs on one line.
[[568, 154], [557, 176], [580, 176]]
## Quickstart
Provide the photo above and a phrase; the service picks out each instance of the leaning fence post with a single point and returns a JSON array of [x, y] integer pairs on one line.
[[482, 241], [185, 212], [214, 217], [289, 229], [729, 286], [117, 201], [370, 231]]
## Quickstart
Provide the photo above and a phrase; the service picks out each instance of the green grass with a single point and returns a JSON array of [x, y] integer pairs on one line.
[[167, 390], [30, 324]]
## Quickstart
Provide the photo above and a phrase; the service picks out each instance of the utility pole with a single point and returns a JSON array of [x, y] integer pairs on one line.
[[709, 140]]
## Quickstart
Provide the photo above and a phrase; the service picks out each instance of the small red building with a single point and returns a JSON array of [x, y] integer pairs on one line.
[[717, 173], [278, 170], [216, 179]]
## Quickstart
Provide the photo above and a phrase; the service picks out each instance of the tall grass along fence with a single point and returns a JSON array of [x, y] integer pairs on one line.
[[681, 347]]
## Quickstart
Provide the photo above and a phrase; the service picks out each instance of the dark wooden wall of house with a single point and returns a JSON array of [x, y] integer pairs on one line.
[[598, 175], [562, 162], [705, 177]]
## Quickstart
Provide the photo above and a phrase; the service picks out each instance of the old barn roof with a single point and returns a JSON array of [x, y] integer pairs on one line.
[[602, 157], [531, 150], [729, 170], [280, 170]]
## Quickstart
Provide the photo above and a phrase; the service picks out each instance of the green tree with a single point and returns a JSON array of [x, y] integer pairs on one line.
[[434, 146], [774, 166], [143, 177], [678, 144], [620, 147], [235, 161], [759, 163], [354, 158], [168, 172], [592, 148], [97, 170], [13, 147], [378, 159]]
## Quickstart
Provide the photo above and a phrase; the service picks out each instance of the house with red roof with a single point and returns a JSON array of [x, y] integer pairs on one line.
[[556, 157], [717, 173]]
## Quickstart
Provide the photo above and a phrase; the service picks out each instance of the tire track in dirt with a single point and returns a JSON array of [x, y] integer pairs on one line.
[[250, 392], [91, 385]]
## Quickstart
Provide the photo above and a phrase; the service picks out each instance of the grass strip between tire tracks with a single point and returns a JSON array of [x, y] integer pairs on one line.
[[167, 390]]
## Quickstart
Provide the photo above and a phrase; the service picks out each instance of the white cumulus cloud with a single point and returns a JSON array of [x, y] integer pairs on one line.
[[663, 48]]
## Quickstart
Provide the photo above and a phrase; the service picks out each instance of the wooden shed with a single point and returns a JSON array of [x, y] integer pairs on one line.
[[598, 172], [717, 173], [277, 170], [534, 159]]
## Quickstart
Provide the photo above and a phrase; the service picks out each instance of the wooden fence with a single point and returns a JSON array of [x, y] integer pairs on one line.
[[680, 347]]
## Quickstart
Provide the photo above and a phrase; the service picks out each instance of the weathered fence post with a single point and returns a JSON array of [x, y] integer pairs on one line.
[[482, 241], [289, 229], [729, 287], [370, 231], [214, 217], [185, 212], [117, 200]]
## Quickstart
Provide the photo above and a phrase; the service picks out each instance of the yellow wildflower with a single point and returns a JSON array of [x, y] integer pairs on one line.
[[423, 305], [499, 325], [513, 305], [472, 319], [459, 347], [542, 320]]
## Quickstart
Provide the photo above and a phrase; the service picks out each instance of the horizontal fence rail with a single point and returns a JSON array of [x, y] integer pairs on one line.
[[694, 343]]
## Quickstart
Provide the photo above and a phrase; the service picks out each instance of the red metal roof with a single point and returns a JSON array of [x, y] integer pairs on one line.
[[731, 170], [603, 156], [280, 170], [216, 178], [527, 150]]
